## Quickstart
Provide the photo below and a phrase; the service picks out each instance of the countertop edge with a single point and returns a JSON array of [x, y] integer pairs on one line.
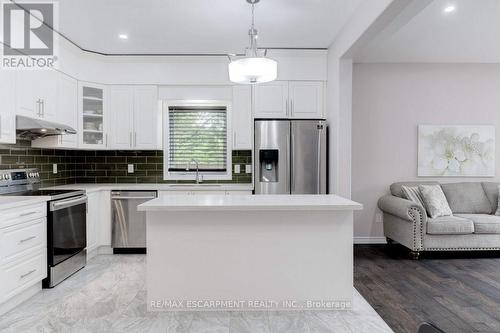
[[90, 188], [249, 208], [22, 201]]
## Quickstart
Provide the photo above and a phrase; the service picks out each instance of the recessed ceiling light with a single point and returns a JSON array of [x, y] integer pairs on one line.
[[123, 36], [449, 9]]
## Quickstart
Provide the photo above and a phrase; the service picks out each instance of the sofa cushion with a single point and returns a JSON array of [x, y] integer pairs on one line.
[[435, 201], [450, 225], [396, 188], [467, 198], [491, 191], [412, 193], [484, 224]]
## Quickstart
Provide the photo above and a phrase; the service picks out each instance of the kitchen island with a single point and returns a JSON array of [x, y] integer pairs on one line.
[[260, 252]]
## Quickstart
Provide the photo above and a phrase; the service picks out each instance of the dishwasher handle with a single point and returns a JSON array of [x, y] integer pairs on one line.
[[133, 195], [131, 198]]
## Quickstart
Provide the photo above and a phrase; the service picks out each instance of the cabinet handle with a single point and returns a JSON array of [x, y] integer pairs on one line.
[[26, 214], [135, 139], [29, 273], [291, 107], [106, 140], [130, 139], [43, 108], [287, 107], [26, 239], [39, 108]]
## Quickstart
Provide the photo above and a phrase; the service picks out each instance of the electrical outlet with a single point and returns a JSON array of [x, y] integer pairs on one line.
[[237, 168], [248, 168], [379, 218], [54, 168], [130, 168]]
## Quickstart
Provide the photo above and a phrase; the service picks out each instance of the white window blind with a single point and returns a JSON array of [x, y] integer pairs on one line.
[[198, 133]]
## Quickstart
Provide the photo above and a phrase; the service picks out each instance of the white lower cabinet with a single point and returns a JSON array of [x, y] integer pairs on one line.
[[22, 274], [93, 210], [23, 251], [98, 221]]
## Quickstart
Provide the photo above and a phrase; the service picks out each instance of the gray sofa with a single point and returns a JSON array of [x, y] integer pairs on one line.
[[473, 226]]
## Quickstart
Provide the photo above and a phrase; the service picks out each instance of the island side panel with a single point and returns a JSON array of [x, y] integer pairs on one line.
[[248, 255]]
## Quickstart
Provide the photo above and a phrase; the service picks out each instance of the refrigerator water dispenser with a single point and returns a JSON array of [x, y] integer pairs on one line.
[[269, 165]]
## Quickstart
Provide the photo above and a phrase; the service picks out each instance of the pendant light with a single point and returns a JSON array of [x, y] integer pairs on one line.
[[255, 67]]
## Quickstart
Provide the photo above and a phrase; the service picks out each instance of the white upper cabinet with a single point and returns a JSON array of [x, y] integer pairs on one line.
[[147, 124], [49, 94], [242, 117], [7, 110], [67, 108], [66, 113], [120, 115], [306, 99], [289, 99], [92, 116], [271, 100], [134, 115], [36, 93]]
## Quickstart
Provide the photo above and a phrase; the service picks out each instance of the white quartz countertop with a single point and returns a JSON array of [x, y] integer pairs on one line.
[[89, 188], [249, 202], [7, 202]]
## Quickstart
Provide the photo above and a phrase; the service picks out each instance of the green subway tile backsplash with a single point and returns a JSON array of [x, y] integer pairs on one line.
[[83, 166]]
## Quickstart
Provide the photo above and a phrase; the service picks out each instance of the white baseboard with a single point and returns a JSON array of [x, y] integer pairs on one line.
[[104, 249], [370, 240]]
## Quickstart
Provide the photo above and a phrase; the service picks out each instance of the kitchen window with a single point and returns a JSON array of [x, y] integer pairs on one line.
[[197, 137]]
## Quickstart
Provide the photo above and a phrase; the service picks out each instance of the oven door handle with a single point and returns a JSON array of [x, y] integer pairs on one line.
[[61, 204]]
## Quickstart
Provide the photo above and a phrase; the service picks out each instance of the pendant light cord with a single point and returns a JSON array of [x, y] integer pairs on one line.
[[253, 16]]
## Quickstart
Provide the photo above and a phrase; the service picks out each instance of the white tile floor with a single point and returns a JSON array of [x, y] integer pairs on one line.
[[109, 295]]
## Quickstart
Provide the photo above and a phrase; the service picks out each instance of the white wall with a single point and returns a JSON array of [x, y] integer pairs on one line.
[[369, 19], [389, 101]]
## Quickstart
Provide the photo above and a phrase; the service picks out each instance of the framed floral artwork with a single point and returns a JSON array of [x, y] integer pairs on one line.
[[456, 151]]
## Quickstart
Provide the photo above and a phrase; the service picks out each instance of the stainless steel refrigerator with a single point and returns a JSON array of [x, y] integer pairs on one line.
[[290, 157]]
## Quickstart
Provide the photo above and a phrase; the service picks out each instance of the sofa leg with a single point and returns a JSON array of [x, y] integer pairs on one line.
[[415, 255]]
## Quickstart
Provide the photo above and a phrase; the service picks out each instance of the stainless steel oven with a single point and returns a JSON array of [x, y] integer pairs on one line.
[[66, 237], [66, 222]]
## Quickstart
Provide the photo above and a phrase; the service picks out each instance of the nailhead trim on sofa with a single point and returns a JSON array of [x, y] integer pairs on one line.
[[416, 215], [462, 248]]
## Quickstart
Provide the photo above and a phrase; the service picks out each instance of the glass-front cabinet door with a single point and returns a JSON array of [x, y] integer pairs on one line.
[[92, 116]]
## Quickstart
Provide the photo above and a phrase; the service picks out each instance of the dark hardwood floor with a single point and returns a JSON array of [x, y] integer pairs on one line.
[[457, 292]]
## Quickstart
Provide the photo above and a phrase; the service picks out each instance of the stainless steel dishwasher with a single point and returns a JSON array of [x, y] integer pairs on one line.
[[128, 226]]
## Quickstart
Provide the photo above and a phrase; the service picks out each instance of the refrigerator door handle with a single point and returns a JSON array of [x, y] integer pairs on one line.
[[319, 160], [290, 149], [289, 164]]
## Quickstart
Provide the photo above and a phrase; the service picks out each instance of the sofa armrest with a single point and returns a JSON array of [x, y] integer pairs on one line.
[[406, 221], [402, 208]]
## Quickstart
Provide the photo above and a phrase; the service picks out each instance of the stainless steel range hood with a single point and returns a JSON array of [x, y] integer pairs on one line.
[[36, 128]]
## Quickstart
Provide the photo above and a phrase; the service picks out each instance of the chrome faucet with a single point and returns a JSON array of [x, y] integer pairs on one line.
[[198, 179]]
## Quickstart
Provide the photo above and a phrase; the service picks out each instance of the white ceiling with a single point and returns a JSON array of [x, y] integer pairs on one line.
[[200, 26], [470, 34]]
